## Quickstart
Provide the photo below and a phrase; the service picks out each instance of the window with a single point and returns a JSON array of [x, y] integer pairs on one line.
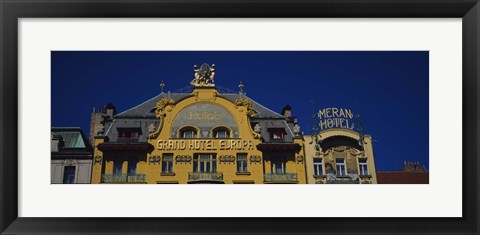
[[117, 166], [205, 163], [363, 166], [128, 133], [341, 167], [242, 165], [188, 132], [132, 166], [278, 165], [69, 175], [167, 163], [317, 167], [221, 133], [277, 134]]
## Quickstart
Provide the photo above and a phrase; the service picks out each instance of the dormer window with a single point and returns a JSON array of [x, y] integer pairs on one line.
[[188, 132], [128, 133], [221, 133]]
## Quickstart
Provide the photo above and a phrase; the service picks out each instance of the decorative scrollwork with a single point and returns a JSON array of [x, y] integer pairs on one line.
[[227, 158], [154, 159], [163, 106], [98, 159], [244, 102], [183, 158], [299, 158], [255, 159]]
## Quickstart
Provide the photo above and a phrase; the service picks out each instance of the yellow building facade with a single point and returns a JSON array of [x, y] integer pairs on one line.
[[339, 156], [203, 136]]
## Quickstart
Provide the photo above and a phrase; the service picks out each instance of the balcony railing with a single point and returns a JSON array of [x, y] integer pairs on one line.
[[285, 177], [124, 178], [205, 176]]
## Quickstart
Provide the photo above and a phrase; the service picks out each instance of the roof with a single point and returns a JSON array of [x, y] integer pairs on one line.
[[401, 177], [147, 108], [143, 115], [72, 137]]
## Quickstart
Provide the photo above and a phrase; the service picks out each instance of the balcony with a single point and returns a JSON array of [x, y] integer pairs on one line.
[[205, 177], [124, 178], [280, 178], [276, 140], [127, 140]]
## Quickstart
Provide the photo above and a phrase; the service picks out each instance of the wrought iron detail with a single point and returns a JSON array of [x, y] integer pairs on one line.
[[124, 178], [206, 176], [285, 177]]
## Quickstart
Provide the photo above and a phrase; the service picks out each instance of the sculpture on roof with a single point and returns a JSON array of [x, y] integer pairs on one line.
[[100, 129], [203, 76], [296, 130]]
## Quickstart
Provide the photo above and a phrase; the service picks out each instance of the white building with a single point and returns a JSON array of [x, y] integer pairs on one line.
[[71, 156]]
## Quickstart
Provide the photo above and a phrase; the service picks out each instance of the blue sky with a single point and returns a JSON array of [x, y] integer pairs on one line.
[[388, 89]]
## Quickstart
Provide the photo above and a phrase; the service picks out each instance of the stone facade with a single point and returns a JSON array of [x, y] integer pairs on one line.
[[71, 157]]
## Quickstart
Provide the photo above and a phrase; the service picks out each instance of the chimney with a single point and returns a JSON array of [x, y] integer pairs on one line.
[[56, 143], [287, 111], [111, 111]]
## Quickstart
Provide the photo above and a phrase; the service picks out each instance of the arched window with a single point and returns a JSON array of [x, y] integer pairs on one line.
[[221, 133], [188, 132]]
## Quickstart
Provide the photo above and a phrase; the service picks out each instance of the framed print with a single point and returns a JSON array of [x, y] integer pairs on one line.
[[294, 117]]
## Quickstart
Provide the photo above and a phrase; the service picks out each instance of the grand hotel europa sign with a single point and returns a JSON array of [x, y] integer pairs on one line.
[[336, 118]]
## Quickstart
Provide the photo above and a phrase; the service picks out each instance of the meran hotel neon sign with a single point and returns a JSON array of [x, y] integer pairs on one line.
[[235, 144], [335, 118]]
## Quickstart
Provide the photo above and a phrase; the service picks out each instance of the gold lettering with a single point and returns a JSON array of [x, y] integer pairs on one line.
[[334, 112], [329, 123], [182, 145], [197, 145], [209, 145], [328, 110], [342, 114], [190, 145], [222, 144], [321, 113], [348, 113], [159, 145], [323, 124]]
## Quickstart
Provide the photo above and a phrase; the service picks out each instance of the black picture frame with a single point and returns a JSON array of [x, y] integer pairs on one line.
[[12, 10]]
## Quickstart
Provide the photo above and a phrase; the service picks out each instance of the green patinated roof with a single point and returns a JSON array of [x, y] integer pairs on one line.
[[72, 138]]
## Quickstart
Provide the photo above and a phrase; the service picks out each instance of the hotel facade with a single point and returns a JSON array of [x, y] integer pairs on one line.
[[211, 137]]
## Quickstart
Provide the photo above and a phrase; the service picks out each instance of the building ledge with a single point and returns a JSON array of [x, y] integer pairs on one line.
[[243, 173], [243, 182], [168, 182], [365, 176], [168, 174], [280, 182]]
